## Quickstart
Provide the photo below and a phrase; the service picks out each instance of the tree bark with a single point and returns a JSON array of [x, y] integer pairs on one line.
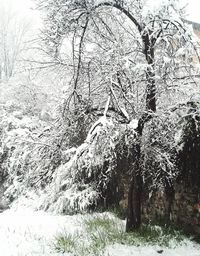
[[134, 201], [135, 188]]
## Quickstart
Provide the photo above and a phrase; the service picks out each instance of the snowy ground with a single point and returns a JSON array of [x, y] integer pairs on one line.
[[185, 250], [25, 232]]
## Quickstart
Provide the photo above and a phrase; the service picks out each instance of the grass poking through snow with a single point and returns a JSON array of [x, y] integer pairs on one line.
[[103, 230], [66, 243]]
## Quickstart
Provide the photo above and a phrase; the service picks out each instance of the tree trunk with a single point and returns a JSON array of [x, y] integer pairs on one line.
[[134, 204], [134, 196], [135, 188]]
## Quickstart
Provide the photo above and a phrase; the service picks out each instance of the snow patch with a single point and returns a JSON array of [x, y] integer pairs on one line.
[[133, 124], [186, 249], [26, 232]]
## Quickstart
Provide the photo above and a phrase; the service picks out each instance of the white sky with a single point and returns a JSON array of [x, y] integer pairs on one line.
[[193, 9], [23, 6]]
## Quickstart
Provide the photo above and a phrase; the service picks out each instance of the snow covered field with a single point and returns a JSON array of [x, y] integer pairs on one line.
[[25, 232]]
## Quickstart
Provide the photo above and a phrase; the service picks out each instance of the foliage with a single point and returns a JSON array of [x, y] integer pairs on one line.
[[159, 150], [75, 158], [106, 49], [138, 58], [189, 146], [17, 139], [81, 182], [118, 211], [80, 177]]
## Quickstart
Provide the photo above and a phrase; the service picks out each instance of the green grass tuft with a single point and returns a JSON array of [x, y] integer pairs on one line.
[[103, 230], [66, 243]]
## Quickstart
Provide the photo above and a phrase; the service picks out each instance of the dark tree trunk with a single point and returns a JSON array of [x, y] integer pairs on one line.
[[135, 188], [135, 194], [134, 202], [151, 91]]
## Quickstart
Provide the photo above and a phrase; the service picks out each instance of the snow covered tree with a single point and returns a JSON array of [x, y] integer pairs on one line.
[[136, 53], [13, 31], [189, 146]]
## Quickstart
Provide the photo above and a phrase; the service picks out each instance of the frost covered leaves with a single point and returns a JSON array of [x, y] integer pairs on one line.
[[80, 182]]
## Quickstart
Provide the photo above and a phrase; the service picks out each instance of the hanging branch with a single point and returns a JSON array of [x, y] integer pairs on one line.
[[80, 54], [122, 111]]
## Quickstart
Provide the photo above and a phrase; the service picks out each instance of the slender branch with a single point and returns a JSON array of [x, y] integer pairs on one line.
[[80, 53], [107, 106], [123, 10]]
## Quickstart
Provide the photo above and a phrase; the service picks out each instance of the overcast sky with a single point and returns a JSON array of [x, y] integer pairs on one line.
[[23, 6], [193, 9]]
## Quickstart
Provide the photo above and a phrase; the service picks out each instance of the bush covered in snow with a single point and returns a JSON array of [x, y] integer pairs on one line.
[[35, 156], [83, 180]]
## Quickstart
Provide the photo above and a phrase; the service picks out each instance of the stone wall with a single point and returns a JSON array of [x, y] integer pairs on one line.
[[180, 206]]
